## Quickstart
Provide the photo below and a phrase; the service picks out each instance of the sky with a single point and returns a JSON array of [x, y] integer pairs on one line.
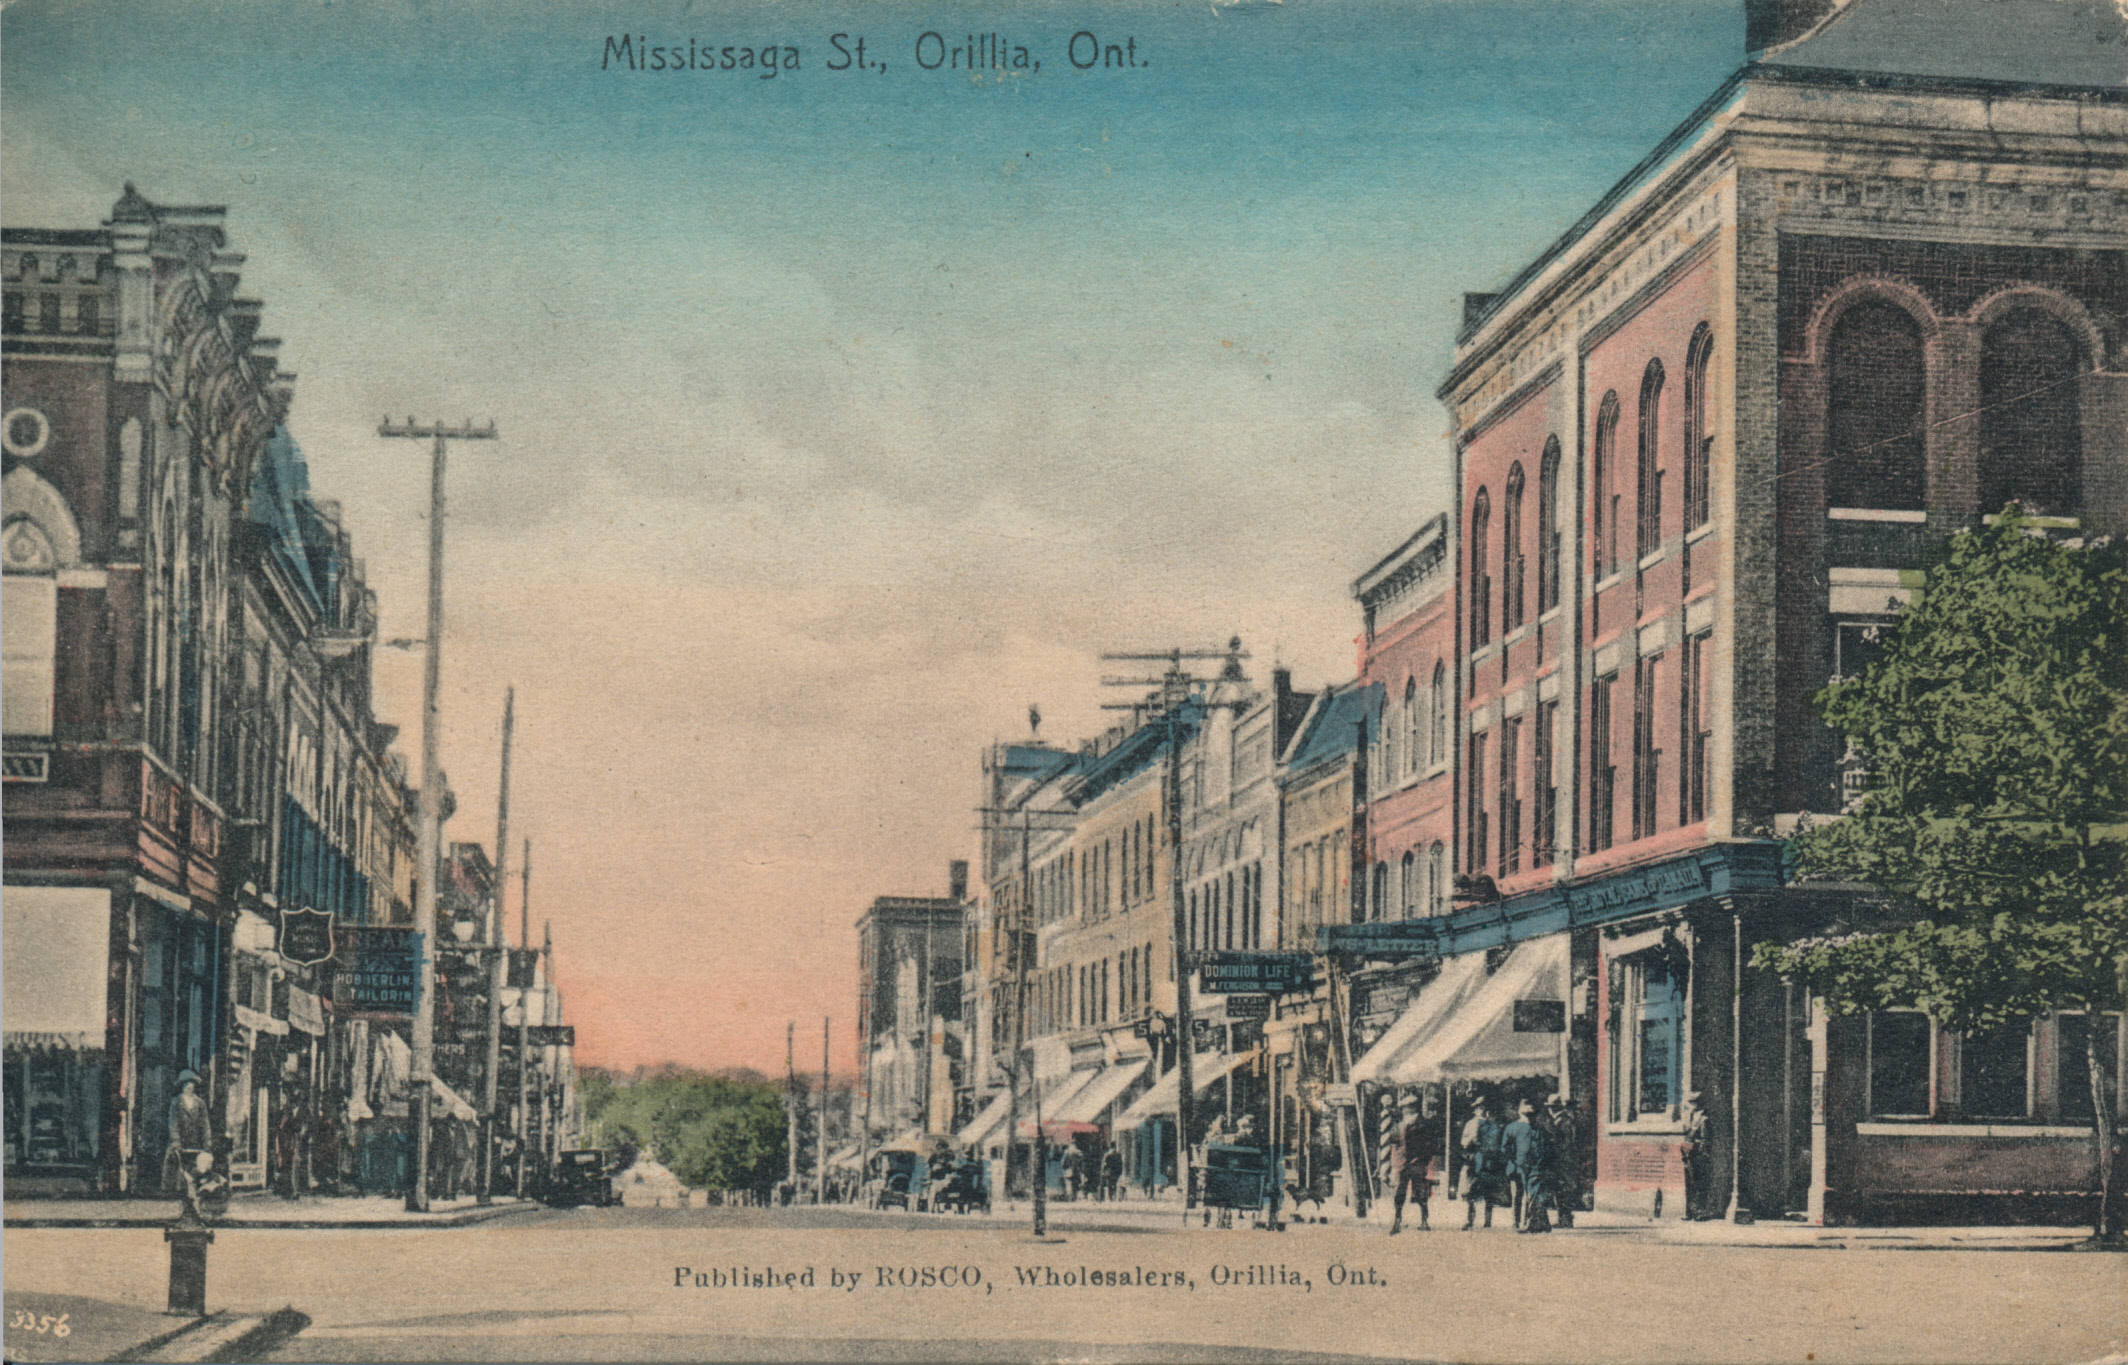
[[845, 413]]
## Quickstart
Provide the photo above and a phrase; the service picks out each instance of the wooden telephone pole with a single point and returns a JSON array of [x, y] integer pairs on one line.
[[1175, 689], [430, 841]]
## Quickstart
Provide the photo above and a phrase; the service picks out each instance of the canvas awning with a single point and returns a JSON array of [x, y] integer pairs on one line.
[[1161, 1099], [1096, 1095], [1059, 1092], [846, 1157], [1438, 1001], [987, 1122], [452, 1104], [1479, 1042], [56, 967]]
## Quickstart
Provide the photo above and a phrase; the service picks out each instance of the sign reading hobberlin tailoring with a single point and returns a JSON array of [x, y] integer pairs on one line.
[[551, 1035], [1381, 938], [1257, 973], [306, 936], [378, 973], [1248, 1007]]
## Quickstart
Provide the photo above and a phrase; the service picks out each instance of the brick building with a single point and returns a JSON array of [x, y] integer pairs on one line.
[[1869, 292]]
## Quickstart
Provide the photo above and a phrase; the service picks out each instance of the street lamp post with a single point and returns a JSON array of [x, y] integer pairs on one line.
[[430, 848]]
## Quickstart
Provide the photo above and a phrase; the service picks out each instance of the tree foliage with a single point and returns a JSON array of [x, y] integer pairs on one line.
[[713, 1132], [1995, 730]]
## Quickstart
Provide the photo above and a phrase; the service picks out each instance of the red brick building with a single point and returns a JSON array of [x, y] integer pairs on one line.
[[1873, 289]]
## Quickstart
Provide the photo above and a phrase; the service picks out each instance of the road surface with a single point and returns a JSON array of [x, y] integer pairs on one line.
[[715, 1284]]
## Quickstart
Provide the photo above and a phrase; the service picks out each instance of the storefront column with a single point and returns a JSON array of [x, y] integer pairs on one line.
[[1820, 1152]]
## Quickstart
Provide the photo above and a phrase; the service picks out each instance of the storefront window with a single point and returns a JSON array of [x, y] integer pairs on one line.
[[1661, 1037], [1899, 1064], [1993, 1074]]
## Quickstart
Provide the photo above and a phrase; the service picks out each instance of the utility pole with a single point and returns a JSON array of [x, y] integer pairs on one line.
[[820, 1136], [549, 1091], [497, 952], [1176, 688], [790, 1104], [524, 1026], [431, 832]]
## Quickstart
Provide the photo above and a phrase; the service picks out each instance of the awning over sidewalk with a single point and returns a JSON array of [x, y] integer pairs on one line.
[[452, 1104], [58, 949], [1096, 1095], [986, 1123], [1161, 1099], [1439, 1000], [1479, 1041]]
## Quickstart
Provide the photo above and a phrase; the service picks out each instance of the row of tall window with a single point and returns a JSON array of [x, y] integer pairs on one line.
[[49, 315], [1091, 994], [1692, 727], [1415, 740], [2031, 435], [1227, 912], [1421, 887]]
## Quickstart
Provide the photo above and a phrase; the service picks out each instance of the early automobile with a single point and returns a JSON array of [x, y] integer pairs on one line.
[[582, 1177]]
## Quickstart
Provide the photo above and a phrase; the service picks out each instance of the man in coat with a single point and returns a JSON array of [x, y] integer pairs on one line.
[[1528, 1161], [1484, 1163], [1411, 1166]]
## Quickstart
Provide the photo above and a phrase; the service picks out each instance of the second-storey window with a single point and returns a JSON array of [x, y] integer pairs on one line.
[[1481, 583]]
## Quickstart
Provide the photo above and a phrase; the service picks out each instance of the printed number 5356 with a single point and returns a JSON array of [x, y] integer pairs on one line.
[[40, 1323]]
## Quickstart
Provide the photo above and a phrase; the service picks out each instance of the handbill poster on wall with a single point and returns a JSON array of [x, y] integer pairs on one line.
[[876, 680]]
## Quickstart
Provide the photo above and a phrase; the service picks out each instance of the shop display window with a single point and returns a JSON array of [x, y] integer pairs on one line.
[[1899, 1064], [1994, 1074]]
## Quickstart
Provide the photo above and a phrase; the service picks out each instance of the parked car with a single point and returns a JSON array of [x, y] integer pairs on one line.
[[582, 1177]]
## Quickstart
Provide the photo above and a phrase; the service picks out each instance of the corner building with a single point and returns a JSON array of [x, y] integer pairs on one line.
[[1868, 293]]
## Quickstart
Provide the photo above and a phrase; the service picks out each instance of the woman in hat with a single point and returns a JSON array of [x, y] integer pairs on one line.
[[188, 1131]]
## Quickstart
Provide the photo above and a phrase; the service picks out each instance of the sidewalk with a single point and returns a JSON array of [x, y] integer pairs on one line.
[[72, 1329], [259, 1209], [1166, 1212]]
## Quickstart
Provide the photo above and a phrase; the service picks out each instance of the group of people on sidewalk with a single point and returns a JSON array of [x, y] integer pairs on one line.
[[1530, 1164]]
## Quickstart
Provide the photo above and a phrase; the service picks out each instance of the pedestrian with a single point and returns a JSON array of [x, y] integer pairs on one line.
[[287, 1143], [188, 1134], [1074, 1171], [1485, 1163], [1565, 1147], [1697, 1150], [1111, 1173], [1411, 1162], [1528, 1162]]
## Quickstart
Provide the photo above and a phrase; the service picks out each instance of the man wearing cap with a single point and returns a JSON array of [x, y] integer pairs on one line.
[[1411, 1163], [1698, 1157]]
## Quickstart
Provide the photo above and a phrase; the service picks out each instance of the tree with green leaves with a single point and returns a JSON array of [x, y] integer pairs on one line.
[[1994, 730]]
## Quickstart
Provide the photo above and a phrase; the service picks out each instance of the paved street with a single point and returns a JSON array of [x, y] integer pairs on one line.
[[601, 1285]]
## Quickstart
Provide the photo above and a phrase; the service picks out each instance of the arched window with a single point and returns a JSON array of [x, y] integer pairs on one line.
[[1649, 538], [1437, 879], [1437, 752], [1385, 777], [1699, 437], [1873, 421], [1410, 889], [2031, 438], [1381, 891], [1412, 752], [1548, 528], [1481, 583], [1511, 552], [1603, 497]]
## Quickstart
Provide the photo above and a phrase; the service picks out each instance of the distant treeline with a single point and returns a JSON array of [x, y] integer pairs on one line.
[[714, 1132]]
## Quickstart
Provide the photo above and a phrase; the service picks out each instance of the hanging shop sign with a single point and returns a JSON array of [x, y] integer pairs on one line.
[[305, 1013], [377, 973], [1248, 1007], [551, 1035], [1257, 973], [306, 936], [523, 963], [1389, 938]]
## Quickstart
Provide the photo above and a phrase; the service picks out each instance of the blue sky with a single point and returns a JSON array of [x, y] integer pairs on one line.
[[845, 414]]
